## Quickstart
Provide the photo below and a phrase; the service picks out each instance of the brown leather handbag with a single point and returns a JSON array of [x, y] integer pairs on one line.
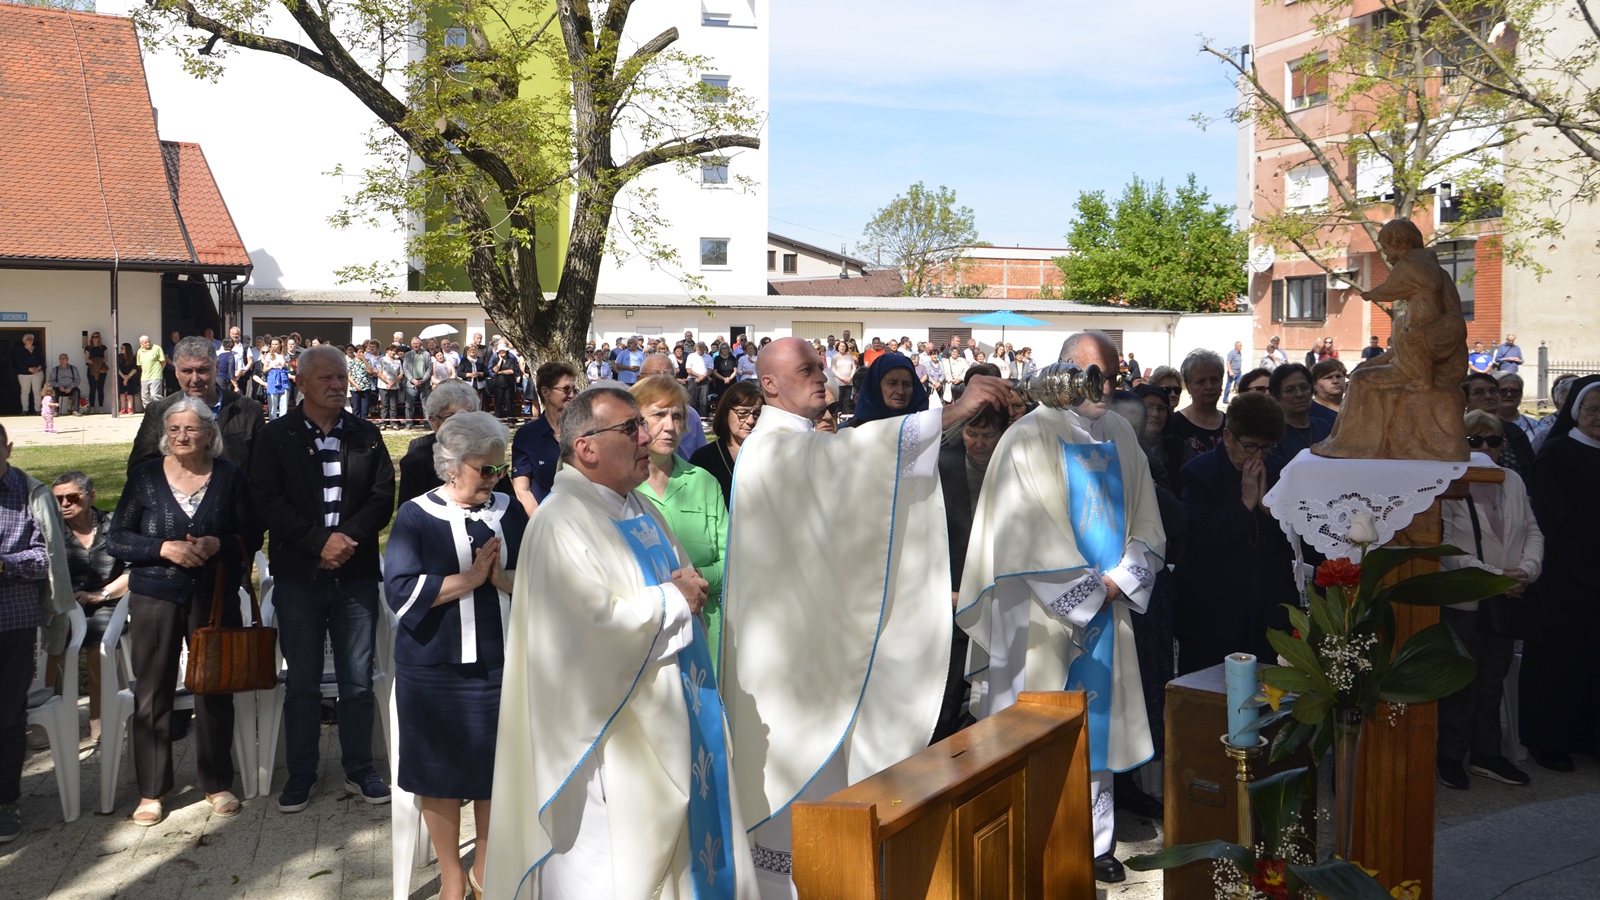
[[225, 659]]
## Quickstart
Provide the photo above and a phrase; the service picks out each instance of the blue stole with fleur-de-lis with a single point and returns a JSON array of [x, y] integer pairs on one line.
[[1095, 505], [710, 821]]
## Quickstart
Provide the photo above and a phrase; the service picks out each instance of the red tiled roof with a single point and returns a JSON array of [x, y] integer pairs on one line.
[[83, 180], [201, 207], [878, 283]]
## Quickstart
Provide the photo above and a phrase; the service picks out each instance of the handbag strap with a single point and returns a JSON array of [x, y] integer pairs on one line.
[[220, 592], [1477, 530]]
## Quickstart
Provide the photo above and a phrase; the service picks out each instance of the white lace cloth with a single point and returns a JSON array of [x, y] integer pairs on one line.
[[1315, 496]]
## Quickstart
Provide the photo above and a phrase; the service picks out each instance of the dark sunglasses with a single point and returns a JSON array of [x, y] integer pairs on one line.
[[491, 471], [834, 409], [64, 499], [1477, 440], [1172, 391]]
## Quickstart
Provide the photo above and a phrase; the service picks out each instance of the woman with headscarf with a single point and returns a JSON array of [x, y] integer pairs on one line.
[[1560, 699], [891, 389]]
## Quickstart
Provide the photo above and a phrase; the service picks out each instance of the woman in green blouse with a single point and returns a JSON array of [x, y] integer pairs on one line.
[[689, 498]]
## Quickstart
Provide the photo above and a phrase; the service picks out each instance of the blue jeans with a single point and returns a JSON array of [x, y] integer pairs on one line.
[[1228, 388], [277, 404], [307, 612]]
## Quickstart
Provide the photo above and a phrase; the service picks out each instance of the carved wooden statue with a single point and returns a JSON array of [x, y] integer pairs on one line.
[[1406, 403]]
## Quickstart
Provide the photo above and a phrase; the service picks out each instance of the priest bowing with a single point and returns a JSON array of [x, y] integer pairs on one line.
[[612, 765], [1065, 544], [837, 616]]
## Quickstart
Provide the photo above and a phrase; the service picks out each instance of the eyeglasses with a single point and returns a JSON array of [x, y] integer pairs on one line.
[[1511, 392], [65, 499], [1478, 440], [746, 413], [1252, 447], [1590, 411], [189, 430], [1172, 391], [628, 429], [492, 471], [564, 390]]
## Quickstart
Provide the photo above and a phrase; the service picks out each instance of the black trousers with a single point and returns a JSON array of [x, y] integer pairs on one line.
[[16, 674], [1469, 720], [157, 631], [505, 399]]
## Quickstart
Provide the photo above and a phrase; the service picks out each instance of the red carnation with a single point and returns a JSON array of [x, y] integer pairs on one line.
[[1341, 572]]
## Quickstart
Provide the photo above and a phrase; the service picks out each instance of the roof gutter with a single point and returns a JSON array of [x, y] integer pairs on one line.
[[115, 264]]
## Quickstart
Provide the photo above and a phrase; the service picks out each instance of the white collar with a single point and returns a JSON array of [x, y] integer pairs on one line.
[[774, 419], [619, 506], [1582, 438]]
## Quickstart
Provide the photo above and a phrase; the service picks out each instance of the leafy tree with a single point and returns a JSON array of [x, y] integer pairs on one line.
[[1154, 250], [465, 130], [922, 234], [1399, 122]]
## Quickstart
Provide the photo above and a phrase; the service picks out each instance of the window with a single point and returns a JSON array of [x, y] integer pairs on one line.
[[772, 260], [1305, 186], [713, 252], [791, 263], [1300, 299], [1308, 82], [714, 170], [716, 19], [1457, 258], [455, 38], [714, 88]]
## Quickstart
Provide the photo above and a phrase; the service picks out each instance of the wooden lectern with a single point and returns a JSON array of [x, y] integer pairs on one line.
[[1394, 818], [994, 812]]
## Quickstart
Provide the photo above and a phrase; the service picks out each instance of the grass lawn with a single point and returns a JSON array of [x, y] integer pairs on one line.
[[107, 464]]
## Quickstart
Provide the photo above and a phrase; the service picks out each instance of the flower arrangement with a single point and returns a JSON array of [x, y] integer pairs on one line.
[[1340, 661]]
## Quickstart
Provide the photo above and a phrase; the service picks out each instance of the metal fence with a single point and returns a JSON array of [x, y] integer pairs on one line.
[[1549, 369]]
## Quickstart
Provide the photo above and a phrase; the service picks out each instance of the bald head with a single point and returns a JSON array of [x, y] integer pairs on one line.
[[1092, 348], [657, 364], [791, 377]]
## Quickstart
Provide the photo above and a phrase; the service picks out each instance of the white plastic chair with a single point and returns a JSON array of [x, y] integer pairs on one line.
[[57, 714], [117, 704], [1511, 736], [408, 834]]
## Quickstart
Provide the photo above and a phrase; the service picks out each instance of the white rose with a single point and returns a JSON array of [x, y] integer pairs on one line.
[[1362, 530]]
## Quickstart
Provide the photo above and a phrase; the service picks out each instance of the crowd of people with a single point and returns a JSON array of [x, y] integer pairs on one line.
[[263, 442]]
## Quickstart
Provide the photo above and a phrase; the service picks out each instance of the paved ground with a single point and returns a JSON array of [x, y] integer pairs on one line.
[[28, 431]]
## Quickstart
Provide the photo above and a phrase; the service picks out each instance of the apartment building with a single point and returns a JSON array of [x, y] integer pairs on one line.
[[1302, 299]]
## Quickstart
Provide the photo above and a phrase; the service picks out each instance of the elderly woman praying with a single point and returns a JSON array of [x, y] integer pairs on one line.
[[448, 575]]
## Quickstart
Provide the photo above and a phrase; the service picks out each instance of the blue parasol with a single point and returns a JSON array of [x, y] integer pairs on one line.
[[1005, 318]]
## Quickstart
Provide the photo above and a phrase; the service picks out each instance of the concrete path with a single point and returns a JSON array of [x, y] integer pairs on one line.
[[28, 431]]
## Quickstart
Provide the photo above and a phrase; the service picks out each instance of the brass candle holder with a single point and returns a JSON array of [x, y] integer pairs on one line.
[[1242, 758]]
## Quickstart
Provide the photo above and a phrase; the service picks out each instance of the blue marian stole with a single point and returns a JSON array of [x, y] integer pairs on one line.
[[1095, 505], [710, 823]]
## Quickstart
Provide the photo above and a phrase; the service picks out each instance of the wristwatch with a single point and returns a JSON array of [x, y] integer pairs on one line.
[[105, 595]]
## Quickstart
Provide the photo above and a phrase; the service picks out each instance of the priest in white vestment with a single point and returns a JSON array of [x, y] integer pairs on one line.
[[612, 770], [1066, 541], [837, 615]]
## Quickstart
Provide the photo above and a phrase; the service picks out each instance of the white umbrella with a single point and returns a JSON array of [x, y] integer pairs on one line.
[[433, 331]]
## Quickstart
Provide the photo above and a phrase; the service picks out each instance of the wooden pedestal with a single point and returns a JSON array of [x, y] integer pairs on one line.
[[997, 811], [1394, 819], [1199, 782]]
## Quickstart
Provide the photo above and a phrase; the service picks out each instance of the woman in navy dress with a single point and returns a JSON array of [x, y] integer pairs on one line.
[[448, 576]]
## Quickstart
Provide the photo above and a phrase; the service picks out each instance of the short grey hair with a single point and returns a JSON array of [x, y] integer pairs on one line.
[[466, 435], [195, 348], [578, 415], [454, 394], [1506, 377], [78, 479], [202, 412], [1197, 360], [332, 354], [1160, 372]]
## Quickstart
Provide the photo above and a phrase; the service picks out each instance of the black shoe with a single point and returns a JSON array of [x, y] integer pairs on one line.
[[1498, 768], [1452, 774], [1107, 870], [10, 822], [296, 793], [1554, 760], [368, 785]]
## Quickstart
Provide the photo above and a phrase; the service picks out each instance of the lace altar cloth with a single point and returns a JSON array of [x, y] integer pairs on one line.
[[1316, 495]]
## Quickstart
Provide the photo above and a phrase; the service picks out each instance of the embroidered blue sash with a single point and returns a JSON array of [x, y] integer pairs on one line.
[[1095, 505], [710, 822]]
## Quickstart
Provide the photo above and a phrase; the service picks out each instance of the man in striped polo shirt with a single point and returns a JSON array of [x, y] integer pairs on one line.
[[324, 486]]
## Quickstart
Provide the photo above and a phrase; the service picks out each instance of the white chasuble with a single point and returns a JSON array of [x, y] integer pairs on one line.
[[1032, 598], [595, 774], [836, 612]]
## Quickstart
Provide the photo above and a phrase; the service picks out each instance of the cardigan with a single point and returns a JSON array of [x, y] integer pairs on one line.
[[1516, 544], [148, 516], [432, 539]]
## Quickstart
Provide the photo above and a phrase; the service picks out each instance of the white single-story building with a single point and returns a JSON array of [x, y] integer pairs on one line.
[[1155, 337]]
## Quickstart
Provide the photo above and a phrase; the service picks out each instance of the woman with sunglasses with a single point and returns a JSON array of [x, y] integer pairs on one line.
[[737, 412], [1495, 525], [449, 650], [689, 498], [537, 447]]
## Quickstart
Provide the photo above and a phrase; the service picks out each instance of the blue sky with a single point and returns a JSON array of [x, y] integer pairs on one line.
[[1018, 106]]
